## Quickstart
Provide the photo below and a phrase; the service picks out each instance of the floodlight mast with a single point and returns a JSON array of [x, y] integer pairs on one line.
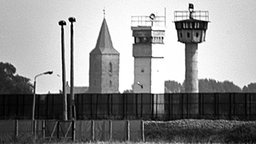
[[72, 110], [62, 23]]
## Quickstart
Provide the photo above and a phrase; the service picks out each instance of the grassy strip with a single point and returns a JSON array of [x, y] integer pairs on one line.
[[178, 131], [203, 131]]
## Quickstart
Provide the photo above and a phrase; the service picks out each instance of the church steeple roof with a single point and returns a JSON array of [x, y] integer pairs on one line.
[[104, 43]]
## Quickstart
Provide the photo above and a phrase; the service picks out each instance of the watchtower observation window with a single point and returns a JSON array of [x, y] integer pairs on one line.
[[142, 40], [158, 40], [188, 35]]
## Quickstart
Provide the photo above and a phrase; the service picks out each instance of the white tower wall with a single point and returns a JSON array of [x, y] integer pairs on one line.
[[157, 79], [142, 75]]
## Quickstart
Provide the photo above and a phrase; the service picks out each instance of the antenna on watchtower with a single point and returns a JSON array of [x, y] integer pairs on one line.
[[165, 17], [191, 10]]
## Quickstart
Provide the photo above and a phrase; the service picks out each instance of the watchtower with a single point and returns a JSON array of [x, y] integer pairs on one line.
[[148, 33], [191, 29]]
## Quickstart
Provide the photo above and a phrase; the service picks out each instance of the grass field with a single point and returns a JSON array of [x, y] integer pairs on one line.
[[201, 131]]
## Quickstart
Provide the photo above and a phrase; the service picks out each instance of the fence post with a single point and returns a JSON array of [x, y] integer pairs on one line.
[[34, 124], [128, 130], [16, 128], [43, 128], [92, 130], [58, 129], [73, 130], [142, 131], [110, 130]]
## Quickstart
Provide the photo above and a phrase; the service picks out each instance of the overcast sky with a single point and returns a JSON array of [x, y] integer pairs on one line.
[[30, 38]]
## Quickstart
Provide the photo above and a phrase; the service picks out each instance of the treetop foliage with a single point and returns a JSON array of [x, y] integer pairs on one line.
[[210, 85], [12, 83]]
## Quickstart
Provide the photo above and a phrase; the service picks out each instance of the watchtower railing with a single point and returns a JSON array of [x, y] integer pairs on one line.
[[152, 20], [184, 15]]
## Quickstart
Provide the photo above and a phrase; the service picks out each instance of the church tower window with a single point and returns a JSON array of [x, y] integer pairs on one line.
[[110, 68]]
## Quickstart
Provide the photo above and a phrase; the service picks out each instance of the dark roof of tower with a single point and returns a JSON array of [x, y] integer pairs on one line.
[[104, 43]]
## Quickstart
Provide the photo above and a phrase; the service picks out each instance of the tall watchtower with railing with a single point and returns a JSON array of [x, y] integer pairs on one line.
[[191, 29], [148, 33]]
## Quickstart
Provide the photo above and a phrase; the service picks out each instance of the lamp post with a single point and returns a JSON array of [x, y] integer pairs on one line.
[[62, 23], [72, 110], [34, 96], [34, 99]]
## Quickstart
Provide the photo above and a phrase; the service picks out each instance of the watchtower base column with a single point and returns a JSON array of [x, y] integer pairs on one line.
[[191, 78], [191, 74]]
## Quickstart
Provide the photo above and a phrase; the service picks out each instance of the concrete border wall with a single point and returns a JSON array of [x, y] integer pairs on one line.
[[82, 130]]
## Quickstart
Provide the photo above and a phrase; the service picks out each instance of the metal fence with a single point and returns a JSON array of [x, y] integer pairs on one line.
[[240, 106]]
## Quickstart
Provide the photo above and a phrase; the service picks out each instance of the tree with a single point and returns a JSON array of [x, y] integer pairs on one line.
[[250, 88], [208, 85], [230, 87], [172, 87], [211, 85], [128, 91], [11, 83]]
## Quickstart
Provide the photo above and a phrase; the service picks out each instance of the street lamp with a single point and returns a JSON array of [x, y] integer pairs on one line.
[[72, 97], [34, 102], [34, 95]]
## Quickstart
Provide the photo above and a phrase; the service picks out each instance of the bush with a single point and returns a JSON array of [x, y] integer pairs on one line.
[[201, 131], [245, 133]]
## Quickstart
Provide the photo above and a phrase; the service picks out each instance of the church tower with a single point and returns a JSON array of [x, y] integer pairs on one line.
[[104, 64]]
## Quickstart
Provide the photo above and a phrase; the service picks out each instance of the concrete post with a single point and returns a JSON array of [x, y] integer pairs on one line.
[[191, 78], [191, 75], [110, 130], [72, 97], [128, 131], [65, 117]]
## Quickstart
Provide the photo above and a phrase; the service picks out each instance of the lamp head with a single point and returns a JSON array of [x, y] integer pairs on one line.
[[48, 72], [62, 23], [152, 16], [72, 19]]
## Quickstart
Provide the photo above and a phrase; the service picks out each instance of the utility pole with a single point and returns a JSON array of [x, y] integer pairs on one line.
[[72, 114], [65, 117]]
